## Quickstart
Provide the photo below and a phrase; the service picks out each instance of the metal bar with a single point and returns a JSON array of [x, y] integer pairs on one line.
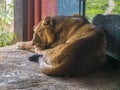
[[82, 7]]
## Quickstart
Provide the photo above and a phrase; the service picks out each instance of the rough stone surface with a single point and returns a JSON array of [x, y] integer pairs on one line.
[[111, 26], [18, 73]]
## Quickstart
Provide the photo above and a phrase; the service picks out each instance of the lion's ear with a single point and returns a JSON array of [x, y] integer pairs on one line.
[[48, 21]]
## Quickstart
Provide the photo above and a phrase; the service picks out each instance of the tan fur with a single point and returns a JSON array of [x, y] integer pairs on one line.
[[25, 45], [69, 44]]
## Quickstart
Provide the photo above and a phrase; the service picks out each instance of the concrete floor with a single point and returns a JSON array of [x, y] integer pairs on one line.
[[18, 73]]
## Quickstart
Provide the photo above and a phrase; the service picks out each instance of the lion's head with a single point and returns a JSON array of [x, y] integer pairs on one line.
[[43, 33]]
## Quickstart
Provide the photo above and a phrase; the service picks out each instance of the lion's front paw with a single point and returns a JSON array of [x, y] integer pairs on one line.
[[19, 45], [25, 46]]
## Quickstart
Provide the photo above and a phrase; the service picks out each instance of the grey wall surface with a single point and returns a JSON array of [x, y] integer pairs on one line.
[[111, 27]]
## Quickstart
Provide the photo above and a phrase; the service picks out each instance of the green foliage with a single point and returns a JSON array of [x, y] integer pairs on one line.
[[6, 18], [116, 9], [6, 38], [94, 7]]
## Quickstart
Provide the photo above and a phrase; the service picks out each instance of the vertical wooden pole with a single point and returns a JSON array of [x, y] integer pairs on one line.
[[25, 20], [30, 18], [37, 11], [18, 19], [48, 8]]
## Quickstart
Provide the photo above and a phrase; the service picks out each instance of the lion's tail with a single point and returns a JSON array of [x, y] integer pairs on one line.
[[35, 58], [48, 69]]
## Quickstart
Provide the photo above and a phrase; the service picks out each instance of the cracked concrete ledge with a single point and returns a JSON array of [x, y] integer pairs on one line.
[[18, 73]]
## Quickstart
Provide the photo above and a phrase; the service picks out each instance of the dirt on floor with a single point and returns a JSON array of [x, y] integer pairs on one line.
[[18, 73]]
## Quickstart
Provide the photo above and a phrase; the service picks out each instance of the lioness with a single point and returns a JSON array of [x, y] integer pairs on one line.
[[69, 45]]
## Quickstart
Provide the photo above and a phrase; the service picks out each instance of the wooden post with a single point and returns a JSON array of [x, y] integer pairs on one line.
[[48, 8], [18, 19], [30, 18], [25, 20], [37, 11]]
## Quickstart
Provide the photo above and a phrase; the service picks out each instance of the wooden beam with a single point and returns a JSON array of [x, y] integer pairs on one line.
[[18, 19], [37, 11], [48, 8], [30, 18], [25, 20]]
